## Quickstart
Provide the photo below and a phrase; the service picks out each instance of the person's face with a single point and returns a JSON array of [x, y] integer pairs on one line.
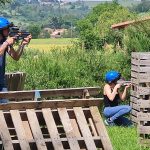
[[6, 32]]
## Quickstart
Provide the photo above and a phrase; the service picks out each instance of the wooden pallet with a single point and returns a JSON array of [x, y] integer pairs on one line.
[[82, 92], [56, 124], [144, 128], [15, 81]]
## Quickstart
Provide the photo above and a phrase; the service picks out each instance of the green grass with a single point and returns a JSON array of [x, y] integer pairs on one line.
[[124, 138]]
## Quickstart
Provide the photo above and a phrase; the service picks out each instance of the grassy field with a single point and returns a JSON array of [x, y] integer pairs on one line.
[[48, 44]]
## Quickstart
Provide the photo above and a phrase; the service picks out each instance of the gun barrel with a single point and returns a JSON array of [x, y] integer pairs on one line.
[[123, 82]]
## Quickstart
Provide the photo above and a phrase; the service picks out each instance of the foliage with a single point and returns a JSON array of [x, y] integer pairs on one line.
[[95, 28], [4, 1], [144, 6], [34, 30], [137, 37], [68, 68]]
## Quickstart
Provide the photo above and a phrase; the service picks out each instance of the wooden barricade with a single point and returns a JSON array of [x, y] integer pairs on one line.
[[82, 92], [140, 94], [53, 124], [15, 81], [140, 78]]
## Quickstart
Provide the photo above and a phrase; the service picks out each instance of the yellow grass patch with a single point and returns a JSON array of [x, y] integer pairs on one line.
[[47, 47]]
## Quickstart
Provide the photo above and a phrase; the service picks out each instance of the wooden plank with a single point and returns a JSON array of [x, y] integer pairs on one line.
[[84, 128], [101, 128], [4, 133], [69, 103], [140, 62], [140, 69], [33, 121], [143, 116], [134, 119], [66, 92], [75, 127], [134, 112], [72, 139], [27, 130], [48, 140], [92, 127], [19, 130], [133, 99], [143, 103], [140, 55], [47, 113], [143, 129]]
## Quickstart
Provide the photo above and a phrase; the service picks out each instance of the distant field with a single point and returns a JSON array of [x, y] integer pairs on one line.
[[48, 44]]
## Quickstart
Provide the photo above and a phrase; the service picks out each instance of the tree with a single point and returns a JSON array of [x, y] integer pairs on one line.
[[56, 22], [34, 30], [95, 30], [4, 1]]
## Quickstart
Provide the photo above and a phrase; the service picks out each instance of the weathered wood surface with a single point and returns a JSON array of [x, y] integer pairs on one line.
[[68, 103], [141, 91], [143, 103], [15, 81], [145, 69], [68, 92], [141, 55], [54, 128]]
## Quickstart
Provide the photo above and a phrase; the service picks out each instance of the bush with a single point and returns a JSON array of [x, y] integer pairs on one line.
[[68, 68]]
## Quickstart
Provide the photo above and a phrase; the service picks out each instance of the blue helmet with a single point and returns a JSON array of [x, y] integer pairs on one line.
[[112, 76], [4, 23]]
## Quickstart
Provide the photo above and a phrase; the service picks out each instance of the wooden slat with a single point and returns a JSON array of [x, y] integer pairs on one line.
[[101, 128], [140, 69], [20, 130], [92, 127], [72, 139], [52, 129], [84, 128], [4, 133], [68, 92], [143, 116], [33, 121], [27, 130], [143, 129], [134, 112], [143, 103], [141, 55], [140, 62], [134, 119], [48, 140], [75, 127], [69, 103]]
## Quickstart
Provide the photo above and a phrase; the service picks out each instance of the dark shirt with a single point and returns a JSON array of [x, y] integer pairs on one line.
[[109, 103], [2, 68]]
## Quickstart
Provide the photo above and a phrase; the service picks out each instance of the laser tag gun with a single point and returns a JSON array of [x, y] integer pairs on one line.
[[123, 82], [17, 33]]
